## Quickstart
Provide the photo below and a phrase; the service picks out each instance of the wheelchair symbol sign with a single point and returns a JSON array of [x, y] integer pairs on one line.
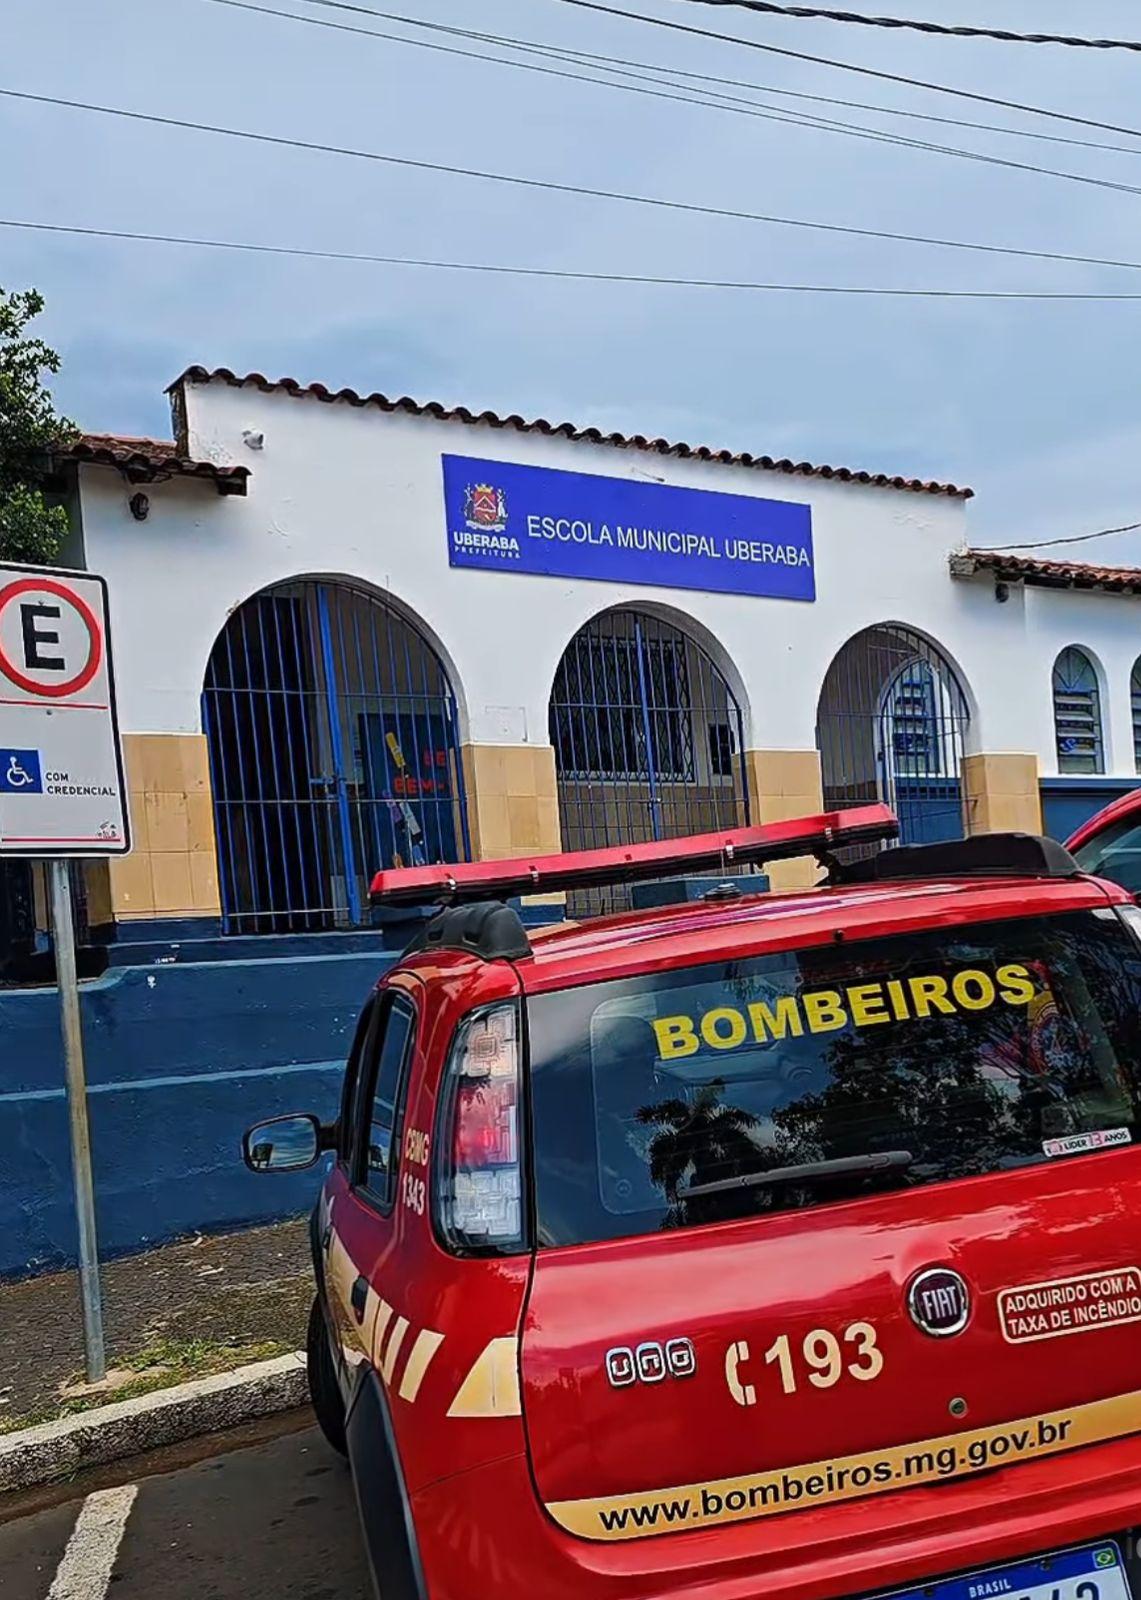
[[20, 772], [62, 785]]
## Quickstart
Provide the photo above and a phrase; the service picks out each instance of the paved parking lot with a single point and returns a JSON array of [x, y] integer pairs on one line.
[[274, 1520]]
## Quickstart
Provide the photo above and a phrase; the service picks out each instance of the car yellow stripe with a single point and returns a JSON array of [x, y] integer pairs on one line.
[[383, 1314], [804, 1487], [427, 1343], [395, 1340], [491, 1388]]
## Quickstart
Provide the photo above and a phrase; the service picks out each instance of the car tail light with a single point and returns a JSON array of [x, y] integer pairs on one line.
[[478, 1190]]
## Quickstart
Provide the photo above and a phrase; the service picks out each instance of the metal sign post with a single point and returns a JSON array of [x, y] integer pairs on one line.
[[62, 796], [63, 929]]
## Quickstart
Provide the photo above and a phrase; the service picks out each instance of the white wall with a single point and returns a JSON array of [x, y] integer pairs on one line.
[[1108, 628], [346, 491]]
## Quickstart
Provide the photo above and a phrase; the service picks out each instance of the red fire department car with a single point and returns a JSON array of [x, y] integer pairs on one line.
[[1109, 842], [768, 1245]]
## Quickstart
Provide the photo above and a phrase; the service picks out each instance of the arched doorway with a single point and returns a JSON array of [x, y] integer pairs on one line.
[[891, 725], [648, 738], [334, 751]]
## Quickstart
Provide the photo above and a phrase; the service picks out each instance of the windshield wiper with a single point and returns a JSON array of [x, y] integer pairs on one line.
[[805, 1172]]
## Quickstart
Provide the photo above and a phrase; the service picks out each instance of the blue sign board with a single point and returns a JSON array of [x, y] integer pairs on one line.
[[503, 517], [20, 772]]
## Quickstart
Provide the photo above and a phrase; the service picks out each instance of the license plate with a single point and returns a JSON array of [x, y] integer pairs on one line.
[[1094, 1572]]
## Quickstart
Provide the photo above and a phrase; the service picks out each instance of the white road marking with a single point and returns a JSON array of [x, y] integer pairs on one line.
[[84, 1571]]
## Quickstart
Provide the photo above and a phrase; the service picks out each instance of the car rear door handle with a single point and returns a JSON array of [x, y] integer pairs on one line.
[[359, 1298]]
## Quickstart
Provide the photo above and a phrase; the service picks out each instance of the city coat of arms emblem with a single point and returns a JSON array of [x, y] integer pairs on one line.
[[485, 507]]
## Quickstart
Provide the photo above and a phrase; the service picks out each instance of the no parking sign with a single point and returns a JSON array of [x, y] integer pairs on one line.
[[61, 794], [61, 767]]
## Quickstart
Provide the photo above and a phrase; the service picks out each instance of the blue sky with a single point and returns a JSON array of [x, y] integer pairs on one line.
[[1034, 404]]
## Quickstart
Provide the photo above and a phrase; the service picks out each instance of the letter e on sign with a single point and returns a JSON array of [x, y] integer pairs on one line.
[[60, 642], [62, 791]]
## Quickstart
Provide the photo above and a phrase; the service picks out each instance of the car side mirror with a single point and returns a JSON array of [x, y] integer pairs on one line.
[[284, 1144]]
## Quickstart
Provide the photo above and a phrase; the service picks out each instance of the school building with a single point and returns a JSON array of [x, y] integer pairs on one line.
[[353, 632]]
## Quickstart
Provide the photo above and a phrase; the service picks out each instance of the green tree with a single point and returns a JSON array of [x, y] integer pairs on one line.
[[31, 529], [704, 1138]]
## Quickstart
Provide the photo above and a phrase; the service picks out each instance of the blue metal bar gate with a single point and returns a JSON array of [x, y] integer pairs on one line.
[[648, 737], [892, 723], [334, 750]]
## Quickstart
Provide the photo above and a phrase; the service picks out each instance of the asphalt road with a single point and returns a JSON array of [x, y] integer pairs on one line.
[[271, 1520]]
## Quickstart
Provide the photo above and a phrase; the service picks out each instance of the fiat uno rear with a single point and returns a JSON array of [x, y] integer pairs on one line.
[[770, 1245]]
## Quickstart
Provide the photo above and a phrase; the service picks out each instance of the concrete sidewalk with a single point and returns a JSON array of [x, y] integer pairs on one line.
[[186, 1310]]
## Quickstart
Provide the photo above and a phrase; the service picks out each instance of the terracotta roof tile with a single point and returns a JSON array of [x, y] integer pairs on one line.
[[567, 430], [1046, 574], [151, 461]]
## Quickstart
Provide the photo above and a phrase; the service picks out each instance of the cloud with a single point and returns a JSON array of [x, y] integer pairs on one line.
[[1021, 400]]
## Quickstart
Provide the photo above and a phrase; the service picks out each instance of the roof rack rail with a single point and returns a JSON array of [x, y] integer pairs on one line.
[[487, 929], [460, 883], [1004, 855]]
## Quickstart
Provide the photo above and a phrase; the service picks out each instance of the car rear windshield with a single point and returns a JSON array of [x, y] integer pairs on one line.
[[781, 1081]]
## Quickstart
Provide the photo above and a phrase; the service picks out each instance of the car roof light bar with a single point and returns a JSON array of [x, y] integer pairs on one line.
[[454, 884]]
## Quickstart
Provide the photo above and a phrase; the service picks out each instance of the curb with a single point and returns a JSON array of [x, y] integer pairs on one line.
[[56, 1450]]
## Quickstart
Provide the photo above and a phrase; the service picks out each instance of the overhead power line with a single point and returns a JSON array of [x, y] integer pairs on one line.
[[1043, 544], [947, 30], [510, 269], [673, 92], [841, 66], [740, 107], [519, 181], [640, 71], [469, 172]]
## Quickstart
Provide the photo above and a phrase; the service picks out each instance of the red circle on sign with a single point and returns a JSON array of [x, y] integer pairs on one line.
[[54, 691]]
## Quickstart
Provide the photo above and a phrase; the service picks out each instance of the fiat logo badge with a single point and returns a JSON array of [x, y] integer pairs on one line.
[[939, 1302]]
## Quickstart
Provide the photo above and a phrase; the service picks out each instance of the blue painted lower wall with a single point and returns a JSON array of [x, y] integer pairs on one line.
[[180, 1059], [1068, 802]]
